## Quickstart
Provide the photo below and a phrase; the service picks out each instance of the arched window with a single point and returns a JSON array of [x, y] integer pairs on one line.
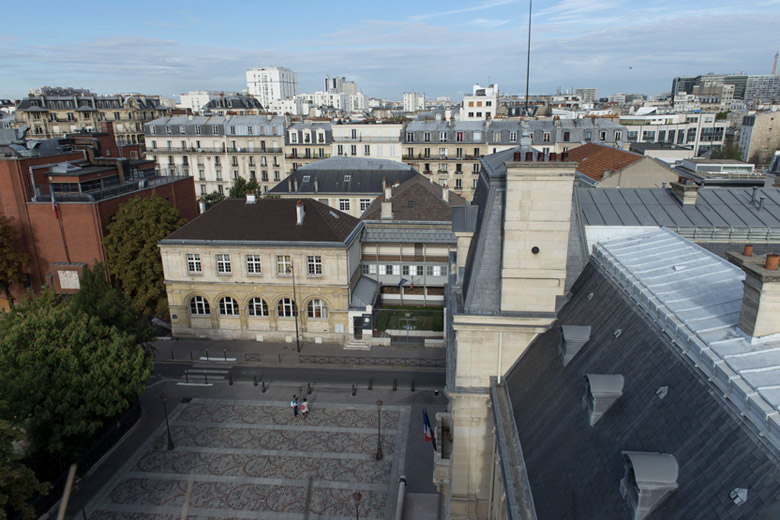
[[228, 306], [286, 308], [257, 307], [317, 309], [199, 305]]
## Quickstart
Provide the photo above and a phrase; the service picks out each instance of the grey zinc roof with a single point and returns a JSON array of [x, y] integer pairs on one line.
[[364, 293], [414, 235], [728, 208], [574, 469]]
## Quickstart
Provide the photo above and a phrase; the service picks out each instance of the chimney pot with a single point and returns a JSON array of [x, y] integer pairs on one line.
[[299, 212], [529, 156], [553, 156], [772, 261], [748, 250], [518, 156]]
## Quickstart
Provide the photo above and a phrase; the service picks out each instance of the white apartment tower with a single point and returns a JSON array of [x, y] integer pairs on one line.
[[268, 84], [414, 102]]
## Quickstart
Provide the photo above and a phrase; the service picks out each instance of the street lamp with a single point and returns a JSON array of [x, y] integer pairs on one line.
[[379, 454], [356, 497], [167, 424]]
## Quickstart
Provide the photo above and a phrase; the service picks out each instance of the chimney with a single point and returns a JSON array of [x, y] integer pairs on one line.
[[295, 184], [202, 206], [299, 213], [316, 184], [388, 189], [251, 199], [517, 157], [685, 193], [289, 184], [761, 295], [445, 194]]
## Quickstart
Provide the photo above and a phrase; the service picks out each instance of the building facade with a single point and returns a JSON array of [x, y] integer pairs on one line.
[[306, 142], [702, 131], [376, 140], [760, 137], [481, 105], [271, 83], [217, 150], [289, 274]]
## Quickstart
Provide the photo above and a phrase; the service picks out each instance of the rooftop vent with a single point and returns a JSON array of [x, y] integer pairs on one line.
[[573, 338], [761, 295], [649, 478], [601, 392]]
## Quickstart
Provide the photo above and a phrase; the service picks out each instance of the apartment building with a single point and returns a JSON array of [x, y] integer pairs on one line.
[[57, 112], [414, 102], [760, 137], [481, 105], [270, 83], [702, 132], [235, 104], [217, 150], [374, 139], [306, 142]]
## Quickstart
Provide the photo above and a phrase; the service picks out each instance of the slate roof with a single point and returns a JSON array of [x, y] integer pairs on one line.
[[592, 159], [574, 469], [417, 199], [268, 220], [365, 176]]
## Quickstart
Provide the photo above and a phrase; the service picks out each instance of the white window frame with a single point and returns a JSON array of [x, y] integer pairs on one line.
[[344, 205], [283, 265], [285, 308], [228, 306], [199, 306], [223, 263], [254, 264], [364, 204], [316, 309], [193, 263], [314, 263], [257, 304]]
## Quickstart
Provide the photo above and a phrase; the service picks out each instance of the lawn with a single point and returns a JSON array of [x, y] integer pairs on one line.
[[415, 318]]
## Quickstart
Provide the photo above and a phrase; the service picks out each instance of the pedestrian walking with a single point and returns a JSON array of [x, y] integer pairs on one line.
[[294, 405], [305, 408]]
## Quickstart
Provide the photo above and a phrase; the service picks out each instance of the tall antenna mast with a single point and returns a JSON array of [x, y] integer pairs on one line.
[[528, 61]]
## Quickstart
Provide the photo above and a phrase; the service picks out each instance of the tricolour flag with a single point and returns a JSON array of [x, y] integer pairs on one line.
[[402, 282], [427, 430], [54, 206]]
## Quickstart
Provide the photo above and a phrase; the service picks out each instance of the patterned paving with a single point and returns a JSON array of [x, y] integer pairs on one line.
[[255, 460]]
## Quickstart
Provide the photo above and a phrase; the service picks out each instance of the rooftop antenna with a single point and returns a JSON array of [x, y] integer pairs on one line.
[[528, 60]]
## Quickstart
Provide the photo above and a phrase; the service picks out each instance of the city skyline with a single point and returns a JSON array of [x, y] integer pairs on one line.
[[439, 48]]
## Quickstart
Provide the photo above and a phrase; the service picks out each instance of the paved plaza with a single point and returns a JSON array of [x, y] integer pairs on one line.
[[253, 459]]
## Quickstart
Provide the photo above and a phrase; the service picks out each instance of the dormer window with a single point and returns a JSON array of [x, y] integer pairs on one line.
[[573, 338], [649, 478], [347, 178], [601, 392], [293, 137]]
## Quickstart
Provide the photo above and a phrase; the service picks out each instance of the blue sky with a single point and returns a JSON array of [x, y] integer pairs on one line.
[[436, 47]]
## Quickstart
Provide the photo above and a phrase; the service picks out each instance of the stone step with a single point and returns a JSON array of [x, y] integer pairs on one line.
[[357, 345]]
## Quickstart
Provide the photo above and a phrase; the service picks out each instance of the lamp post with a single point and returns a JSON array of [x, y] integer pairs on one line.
[[167, 424], [379, 454], [356, 496], [295, 310]]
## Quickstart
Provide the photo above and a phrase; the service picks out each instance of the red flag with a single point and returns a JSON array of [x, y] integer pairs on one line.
[[54, 206]]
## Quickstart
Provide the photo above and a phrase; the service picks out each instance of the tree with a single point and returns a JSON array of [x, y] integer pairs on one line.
[[17, 482], [63, 376], [213, 199], [241, 188], [728, 152], [113, 307], [133, 256], [12, 258]]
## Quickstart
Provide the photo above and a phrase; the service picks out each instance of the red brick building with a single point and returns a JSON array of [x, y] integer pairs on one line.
[[90, 180]]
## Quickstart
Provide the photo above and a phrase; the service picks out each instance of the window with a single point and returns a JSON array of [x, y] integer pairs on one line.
[[409, 137], [193, 263], [344, 204], [388, 269], [512, 136], [340, 149], [405, 270], [316, 309], [458, 184], [202, 189], [367, 150], [228, 307], [235, 174], [286, 308], [417, 270], [459, 153], [618, 135], [315, 265], [566, 136], [253, 265], [364, 204], [257, 307], [199, 306], [602, 135], [364, 268], [293, 137], [264, 176], [283, 264], [475, 168], [442, 153], [223, 264], [443, 137], [546, 137], [397, 270], [215, 130], [459, 137], [436, 270], [277, 177], [474, 184], [427, 137]]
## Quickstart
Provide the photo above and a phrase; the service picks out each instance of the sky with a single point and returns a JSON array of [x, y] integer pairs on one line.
[[440, 48]]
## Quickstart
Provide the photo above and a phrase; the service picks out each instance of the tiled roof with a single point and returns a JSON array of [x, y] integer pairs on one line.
[[417, 199], [593, 159], [267, 220]]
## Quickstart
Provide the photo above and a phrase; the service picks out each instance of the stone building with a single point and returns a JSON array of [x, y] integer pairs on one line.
[[372, 139], [264, 269], [217, 150], [306, 142], [759, 137]]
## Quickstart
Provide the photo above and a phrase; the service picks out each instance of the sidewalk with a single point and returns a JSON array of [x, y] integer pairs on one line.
[[285, 354]]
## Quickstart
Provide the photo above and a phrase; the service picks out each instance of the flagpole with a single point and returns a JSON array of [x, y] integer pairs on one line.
[[59, 221]]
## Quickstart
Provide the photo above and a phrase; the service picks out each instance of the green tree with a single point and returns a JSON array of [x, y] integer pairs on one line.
[[728, 152], [12, 258], [112, 306], [241, 188], [17, 482], [64, 375], [213, 199], [133, 256]]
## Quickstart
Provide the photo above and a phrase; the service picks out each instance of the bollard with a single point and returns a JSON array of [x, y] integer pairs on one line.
[[206, 377], [308, 388], [255, 380], [187, 376], [371, 383], [412, 385], [263, 387], [395, 385], [207, 354], [354, 390], [436, 393], [224, 354], [230, 379], [172, 354], [280, 357]]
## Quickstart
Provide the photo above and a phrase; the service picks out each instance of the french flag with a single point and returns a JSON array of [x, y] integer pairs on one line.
[[427, 430], [54, 206]]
